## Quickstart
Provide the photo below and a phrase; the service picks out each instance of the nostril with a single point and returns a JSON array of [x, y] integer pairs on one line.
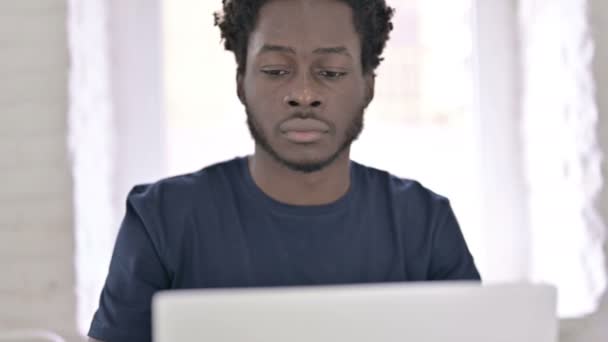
[[316, 104], [293, 103]]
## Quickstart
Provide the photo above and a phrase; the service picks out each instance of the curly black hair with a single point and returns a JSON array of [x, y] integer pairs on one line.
[[372, 20]]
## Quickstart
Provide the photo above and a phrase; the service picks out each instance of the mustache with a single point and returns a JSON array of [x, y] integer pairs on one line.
[[308, 115]]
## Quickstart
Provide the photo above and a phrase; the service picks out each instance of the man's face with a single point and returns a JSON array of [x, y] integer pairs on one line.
[[303, 88]]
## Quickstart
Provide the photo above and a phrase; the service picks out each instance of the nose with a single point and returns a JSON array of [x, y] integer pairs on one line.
[[303, 94]]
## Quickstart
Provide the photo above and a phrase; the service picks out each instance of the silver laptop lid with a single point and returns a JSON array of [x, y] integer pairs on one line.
[[421, 312]]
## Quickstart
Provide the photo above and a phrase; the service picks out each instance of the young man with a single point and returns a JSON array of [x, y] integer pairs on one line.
[[298, 211]]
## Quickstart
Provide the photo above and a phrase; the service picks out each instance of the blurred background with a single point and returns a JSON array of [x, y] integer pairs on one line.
[[500, 105]]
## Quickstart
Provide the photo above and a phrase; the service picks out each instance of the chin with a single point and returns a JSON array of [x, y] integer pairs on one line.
[[309, 163]]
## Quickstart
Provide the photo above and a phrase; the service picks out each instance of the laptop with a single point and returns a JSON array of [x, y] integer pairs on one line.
[[420, 312]]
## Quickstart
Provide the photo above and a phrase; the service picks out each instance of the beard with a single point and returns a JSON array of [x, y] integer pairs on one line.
[[353, 130]]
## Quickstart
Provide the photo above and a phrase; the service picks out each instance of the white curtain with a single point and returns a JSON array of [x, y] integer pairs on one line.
[[116, 126], [562, 152], [92, 144]]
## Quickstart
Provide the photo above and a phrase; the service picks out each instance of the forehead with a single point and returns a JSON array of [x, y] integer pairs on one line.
[[305, 24]]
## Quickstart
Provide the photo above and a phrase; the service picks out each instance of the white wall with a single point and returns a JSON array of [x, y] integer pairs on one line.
[[595, 327], [36, 239]]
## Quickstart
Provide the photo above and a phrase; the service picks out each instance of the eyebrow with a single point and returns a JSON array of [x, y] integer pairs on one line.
[[341, 50], [276, 48]]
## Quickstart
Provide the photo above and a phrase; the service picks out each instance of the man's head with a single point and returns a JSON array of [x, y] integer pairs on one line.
[[305, 72]]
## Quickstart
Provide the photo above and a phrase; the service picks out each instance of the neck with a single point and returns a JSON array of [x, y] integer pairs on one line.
[[298, 188]]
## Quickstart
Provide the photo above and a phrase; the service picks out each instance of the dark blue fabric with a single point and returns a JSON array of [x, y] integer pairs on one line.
[[216, 228]]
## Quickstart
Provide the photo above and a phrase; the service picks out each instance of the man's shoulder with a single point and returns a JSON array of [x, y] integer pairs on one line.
[[183, 190], [399, 188]]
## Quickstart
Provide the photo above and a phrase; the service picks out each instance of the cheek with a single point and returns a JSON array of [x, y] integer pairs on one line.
[[349, 106], [262, 105], [261, 96], [350, 99], [352, 91], [258, 102]]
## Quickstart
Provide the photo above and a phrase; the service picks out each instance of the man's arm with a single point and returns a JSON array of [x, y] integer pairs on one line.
[[136, 273], [451, 258]]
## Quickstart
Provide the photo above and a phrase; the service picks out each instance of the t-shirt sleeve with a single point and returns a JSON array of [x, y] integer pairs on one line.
[[450, 256], [136, 273]]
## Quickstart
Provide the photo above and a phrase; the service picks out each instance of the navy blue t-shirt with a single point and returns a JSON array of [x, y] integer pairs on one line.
[[216, 229]]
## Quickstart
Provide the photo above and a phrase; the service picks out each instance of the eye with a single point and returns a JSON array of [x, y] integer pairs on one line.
[[275, 73], [332, 75]]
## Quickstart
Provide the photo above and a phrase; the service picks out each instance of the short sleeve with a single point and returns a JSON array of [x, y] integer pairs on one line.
[[136, 273], [450, 256]]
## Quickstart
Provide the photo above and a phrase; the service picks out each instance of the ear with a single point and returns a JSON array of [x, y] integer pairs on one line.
[[240, 92], [370, 84]]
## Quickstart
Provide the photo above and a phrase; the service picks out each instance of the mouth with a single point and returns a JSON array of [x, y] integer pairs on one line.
[[303, 137], [304, 131]]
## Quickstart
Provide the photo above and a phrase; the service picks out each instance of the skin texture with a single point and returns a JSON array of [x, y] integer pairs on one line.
[[304, 82]]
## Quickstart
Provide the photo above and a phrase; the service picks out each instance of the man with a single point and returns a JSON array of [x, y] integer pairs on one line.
[[298, 211]]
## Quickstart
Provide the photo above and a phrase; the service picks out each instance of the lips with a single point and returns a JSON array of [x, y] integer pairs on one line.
[[304, 125], [304, 131]]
